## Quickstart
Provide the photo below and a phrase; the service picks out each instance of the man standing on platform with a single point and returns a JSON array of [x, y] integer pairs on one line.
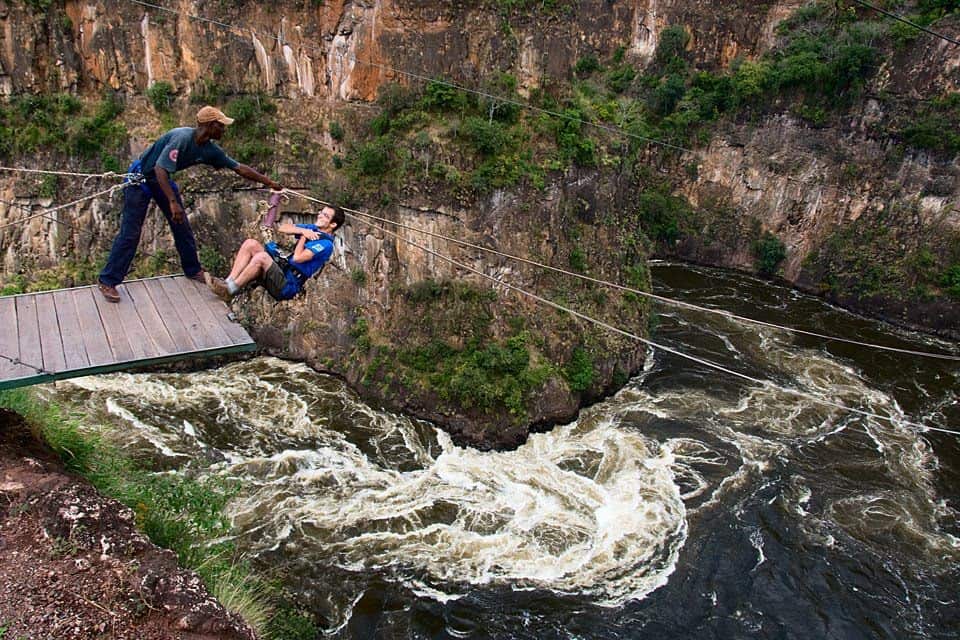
[[175, 150]]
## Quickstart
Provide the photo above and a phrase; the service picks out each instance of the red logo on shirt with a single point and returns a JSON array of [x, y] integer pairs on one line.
[[173, 154]]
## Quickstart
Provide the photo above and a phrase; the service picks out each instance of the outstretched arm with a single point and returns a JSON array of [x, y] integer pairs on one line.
[[252, 174]]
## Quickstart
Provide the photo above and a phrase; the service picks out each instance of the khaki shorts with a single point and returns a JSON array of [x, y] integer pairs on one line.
[[274, 281]]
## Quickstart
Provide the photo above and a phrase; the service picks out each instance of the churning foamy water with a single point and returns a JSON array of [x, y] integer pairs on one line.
[[697, 498]]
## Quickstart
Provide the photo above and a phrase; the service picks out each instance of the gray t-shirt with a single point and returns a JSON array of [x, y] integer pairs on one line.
[[176, 150]]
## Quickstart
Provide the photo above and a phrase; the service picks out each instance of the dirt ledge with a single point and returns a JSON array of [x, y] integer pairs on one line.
[[73, 565]]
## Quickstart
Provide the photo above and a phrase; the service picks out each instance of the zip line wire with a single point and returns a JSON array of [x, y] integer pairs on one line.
[[762, 383], [46, 212], [653, 296], [647, 294], [81, 232], [109, 174], [418, 76], [907, 22], [707, 363]]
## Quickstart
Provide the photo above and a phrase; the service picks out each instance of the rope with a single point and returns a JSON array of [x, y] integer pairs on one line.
[[280, 41], [907, 22], [47, 212], [108, 174], [653, 296], [707, 363], [129, 178]]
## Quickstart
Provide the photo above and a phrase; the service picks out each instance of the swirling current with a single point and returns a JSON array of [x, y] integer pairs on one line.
[[688, 505]]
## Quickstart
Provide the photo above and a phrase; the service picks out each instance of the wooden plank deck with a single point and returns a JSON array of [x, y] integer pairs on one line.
[[54, 335]]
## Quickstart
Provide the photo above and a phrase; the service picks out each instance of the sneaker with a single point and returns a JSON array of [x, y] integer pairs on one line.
[[219, 287], [110, 294], [201, 276]]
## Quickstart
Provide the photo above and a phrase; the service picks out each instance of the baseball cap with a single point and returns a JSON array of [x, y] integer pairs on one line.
[[212, 114]]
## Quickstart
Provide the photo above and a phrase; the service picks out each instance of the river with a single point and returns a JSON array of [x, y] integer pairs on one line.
[[689, 505]]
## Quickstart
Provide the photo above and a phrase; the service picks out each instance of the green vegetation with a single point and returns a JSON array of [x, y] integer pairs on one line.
[[769, 251], [950, 280], [17, 283], [48, 186], [212, 260], [336, 131], [578, 260], [373, 158], [455, 356], [935, 125], [924, 13], [485, 376], [179, 513], [885, 254], [824, 60], [545, 7], [359, 277], [579, 371], [662, 215], [39, 6], [59, 122], [252, 137], [160, 95], [71, 272]]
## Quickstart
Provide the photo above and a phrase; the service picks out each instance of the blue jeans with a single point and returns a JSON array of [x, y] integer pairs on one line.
[[136, 201]]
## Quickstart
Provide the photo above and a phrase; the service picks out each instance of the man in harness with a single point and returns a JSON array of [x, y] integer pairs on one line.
[[283, 276], [175, 150]]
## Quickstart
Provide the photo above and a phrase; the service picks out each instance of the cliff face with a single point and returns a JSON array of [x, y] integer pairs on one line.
[[342, 50], [327, 62]]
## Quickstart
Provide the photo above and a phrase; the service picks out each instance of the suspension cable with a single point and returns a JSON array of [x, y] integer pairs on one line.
[[707, 363], [418, 76], [108, 174], [129, 178], [890, 14], [47, 212], [652, 296]]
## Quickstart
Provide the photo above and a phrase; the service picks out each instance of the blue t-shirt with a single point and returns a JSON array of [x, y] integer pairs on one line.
[[322, 249], [176, 150]]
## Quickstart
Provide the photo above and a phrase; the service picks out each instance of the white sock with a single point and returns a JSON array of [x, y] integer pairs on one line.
[[232, 286]]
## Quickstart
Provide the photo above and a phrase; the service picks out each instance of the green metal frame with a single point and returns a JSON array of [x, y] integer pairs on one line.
[[41, 378]]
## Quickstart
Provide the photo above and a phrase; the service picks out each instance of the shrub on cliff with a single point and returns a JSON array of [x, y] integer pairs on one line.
[[254, 127], [487, 138], [769, 251], [935, 125], [951, 281], [661, 215], [161, 96], [671, 50], [579, 370]]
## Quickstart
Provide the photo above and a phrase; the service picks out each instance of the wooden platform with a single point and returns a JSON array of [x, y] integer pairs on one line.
[[69, 333]]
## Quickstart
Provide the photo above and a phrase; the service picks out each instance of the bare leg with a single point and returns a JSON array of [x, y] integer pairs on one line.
[[248, 249], [256, 266]]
